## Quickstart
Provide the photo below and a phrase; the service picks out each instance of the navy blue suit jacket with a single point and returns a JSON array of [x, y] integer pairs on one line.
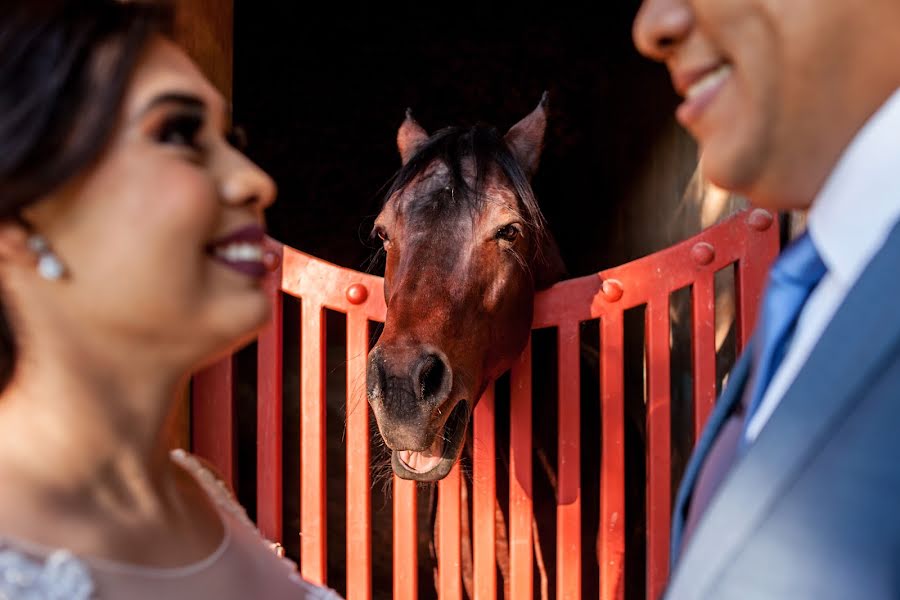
[[812, 510]]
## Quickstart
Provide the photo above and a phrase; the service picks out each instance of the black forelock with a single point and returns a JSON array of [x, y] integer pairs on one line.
[[484, 146]]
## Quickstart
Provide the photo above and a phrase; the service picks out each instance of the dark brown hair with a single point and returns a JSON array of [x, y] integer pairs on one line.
[[64, 68]]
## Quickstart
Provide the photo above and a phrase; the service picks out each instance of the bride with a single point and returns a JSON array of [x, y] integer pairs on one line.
[[130, 254]]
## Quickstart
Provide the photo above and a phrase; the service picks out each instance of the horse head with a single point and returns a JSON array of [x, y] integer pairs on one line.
[[466, 248]]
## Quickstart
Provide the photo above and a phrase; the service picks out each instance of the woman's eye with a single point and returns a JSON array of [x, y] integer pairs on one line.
[[181, 130], [507, 233], [237, 137]]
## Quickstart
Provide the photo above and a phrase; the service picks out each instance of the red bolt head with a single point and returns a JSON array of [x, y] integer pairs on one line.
[[612, 289], [703, 253], [760, 219], [271, 260], [357, 293]]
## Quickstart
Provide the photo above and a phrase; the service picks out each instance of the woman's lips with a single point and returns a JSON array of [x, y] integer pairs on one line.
[[241, 250], [699, 91]]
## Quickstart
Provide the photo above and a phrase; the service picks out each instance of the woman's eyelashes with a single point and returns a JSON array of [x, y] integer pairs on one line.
[[182, 130], [237, 137]]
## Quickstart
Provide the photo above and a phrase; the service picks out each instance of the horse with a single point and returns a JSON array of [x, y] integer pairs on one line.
[[466, 249]]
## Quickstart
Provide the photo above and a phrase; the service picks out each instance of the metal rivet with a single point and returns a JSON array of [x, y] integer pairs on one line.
[[760, 219], [357, 293], [612, 289], [703, 253]]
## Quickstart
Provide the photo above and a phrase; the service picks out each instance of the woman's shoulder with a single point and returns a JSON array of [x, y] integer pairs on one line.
[[225, 500], [217, 489], [28, 575]]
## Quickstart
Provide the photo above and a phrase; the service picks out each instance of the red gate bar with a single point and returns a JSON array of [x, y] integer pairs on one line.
[[568, 510], [704, 348], [359, 504], [659, 493], [212, 404], [612, 458], [757, 253], [312, 443], [406, 564], [520, 479], [269, 470], [449, 575], [484, 497]]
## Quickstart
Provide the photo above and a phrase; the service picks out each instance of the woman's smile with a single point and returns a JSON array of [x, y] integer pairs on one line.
[[241, 250]]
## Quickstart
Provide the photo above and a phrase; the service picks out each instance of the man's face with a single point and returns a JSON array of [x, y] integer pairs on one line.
[[774, 89]]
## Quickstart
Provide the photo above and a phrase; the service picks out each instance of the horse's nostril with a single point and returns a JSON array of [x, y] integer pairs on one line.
[[433, 379]]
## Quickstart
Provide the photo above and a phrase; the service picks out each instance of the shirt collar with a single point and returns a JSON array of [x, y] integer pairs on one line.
[[857, 207]]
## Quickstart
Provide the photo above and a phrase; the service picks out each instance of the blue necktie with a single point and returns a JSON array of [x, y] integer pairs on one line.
[[791, 281]]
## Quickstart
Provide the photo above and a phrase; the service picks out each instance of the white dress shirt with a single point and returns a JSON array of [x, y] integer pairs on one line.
[[849, 221]]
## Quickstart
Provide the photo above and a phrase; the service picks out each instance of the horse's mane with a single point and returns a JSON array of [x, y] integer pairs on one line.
[[485, 146]]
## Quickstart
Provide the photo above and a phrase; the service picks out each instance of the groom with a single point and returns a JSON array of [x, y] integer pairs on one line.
[[793, 491]]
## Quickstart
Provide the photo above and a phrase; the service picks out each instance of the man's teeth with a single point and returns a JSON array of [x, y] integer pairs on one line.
[[242, 252], [708, 82]]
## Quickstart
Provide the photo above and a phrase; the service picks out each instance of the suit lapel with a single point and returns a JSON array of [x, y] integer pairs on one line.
[[731, 395], [863, 334]]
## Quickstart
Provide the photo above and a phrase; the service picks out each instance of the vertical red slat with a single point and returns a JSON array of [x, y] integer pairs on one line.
[[568, 509], [268, 417], [760, 250], [312, 444], [406, 580], [449, 573], [212, 413], [484, 494], [704, 348], [659, 450], [521, 583], [612, 458], [359, 505]]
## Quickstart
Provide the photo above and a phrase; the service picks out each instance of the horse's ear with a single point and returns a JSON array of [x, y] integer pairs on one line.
[[526, 138], [410, 137]]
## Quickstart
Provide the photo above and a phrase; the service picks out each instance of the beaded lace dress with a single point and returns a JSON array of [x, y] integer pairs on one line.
[[244, 566]]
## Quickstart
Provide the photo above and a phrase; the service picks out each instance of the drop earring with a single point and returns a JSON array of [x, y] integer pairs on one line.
[[49, 266]]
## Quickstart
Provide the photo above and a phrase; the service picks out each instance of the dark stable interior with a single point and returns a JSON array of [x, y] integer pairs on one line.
[[321, 92]]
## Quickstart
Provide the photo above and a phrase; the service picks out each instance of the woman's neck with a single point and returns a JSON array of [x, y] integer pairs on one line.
[[75, 428], [85, 465]]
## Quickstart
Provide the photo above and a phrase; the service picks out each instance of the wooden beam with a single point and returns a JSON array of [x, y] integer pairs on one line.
[[205, 29]]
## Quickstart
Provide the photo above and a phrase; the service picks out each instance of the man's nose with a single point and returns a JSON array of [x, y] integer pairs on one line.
[[660, 26]]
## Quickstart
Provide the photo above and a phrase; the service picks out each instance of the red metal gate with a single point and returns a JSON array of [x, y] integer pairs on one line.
[[749, 240]]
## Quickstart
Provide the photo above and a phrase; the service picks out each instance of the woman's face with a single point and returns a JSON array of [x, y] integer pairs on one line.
[[161, 239]]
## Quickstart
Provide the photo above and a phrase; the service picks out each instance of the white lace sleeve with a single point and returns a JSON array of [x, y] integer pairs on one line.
[[60, 577]]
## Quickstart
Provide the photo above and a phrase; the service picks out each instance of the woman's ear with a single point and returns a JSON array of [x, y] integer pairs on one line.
[[14, 243]]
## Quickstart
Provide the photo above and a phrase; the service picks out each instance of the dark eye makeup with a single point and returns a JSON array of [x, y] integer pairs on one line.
[[181, 129]]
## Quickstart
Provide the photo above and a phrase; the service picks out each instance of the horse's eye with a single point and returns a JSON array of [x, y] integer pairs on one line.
[[382, 234], [508, 233]]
